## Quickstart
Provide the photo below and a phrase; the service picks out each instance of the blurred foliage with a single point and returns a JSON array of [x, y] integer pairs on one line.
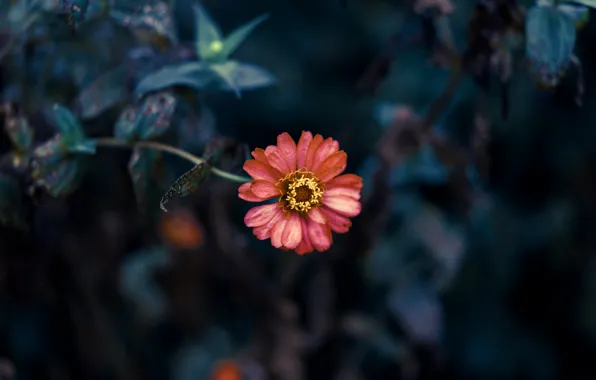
[[470, 122]]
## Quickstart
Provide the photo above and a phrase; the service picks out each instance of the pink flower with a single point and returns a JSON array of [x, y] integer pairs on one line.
[[313, 198]]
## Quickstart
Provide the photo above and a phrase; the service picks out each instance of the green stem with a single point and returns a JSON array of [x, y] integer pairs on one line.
[[112, 142]]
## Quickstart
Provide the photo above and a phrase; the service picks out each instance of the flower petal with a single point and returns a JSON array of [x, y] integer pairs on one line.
[[305, 246], [276, 159], [343, 205], [287, 147], [345, 180], [292, 234], [338, 223], [259, 170], [245, 193], [326, 149], [257, 216], [320, 236], [259, 155], [332, 166], [310, 154], [316, 216], [342, 191], [277, 232], [264, 232], [264, 189], [302, 149]]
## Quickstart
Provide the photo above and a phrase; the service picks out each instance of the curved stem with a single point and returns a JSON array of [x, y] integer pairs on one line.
[[112, 142]]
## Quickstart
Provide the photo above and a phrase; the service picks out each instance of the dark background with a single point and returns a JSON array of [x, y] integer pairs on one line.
[[443, 275]]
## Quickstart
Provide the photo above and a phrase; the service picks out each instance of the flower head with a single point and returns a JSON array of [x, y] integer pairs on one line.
[[313, 199]]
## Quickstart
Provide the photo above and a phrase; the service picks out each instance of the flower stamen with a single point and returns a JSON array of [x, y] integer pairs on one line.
[[302, 191]]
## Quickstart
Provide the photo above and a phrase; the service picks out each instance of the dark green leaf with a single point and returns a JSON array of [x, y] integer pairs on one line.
[[207, 34], [155, 17], [587, 3], [83, 147], [141, 165], [11, 201], [103, 93], [216, 148], [69, 126], [242, 76], [186, 184], [233, 41], [190, 74], [75, 12], [151, 119]]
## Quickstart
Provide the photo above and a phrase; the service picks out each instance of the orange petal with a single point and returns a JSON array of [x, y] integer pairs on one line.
[[320, 236], [343, 205], [338, 223], [276, 159], [302, 149], [342, 191], [259, 170], [264, 189], [292, 234], [310, 154], [316, 216], [287, 147], [259, 155], [257, 216], [326, 149], [245, 193], [345, 180], [264, 232], [305, 246], [333, 166], [277, 232]]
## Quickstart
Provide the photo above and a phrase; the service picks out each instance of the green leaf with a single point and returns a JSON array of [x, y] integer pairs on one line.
[[233, 41], [19, 131], [58, 179], [154, 17], [207, 34], [103, 93], [242, 76], [187, 184], [142, 164], [83, 147], [578, 13], [67, 123], [11, 202], [190, 74], [151, 119]]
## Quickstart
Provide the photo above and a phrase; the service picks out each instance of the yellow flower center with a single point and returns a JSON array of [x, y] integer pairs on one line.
[[301, 191], [216, 46]]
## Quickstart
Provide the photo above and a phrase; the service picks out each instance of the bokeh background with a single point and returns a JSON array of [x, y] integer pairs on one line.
[[473, 257]]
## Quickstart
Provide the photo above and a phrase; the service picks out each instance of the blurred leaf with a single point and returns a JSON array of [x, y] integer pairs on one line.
[[75, 12], [56, 164], [233, 41], [578, 13], [151, 119], [195, 131], [242, 76], [195, 360], [11, 202], [103, 93], [207, 34], [187, 184], [216, 148], [68, 125], [550, 40], [141, 165], [155, 17], [19, 131], [190, 74], [587, 3]]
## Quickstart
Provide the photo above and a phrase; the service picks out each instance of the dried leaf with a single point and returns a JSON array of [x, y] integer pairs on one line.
[[148, 120], [155, 17], [187, 184]]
